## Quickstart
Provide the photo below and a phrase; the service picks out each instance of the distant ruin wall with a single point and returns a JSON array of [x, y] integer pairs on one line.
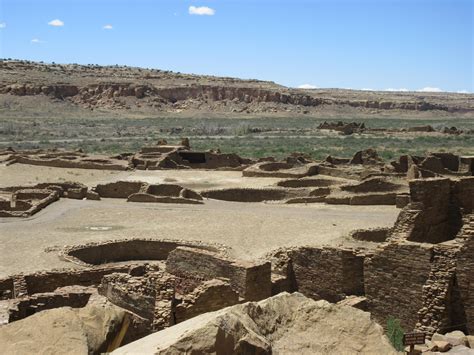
[[71, 164], [119, 189], [246, 194]]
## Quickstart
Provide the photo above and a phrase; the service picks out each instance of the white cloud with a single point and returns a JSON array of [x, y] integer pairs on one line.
[[307, 86], [36, 40], [366, 89], [201, 11], [430, 89], [108, 27], [462, 92], [401, 89], [56, 23], [3, 25]]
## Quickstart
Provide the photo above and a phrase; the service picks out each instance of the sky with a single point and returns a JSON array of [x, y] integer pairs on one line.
[[425, 45]]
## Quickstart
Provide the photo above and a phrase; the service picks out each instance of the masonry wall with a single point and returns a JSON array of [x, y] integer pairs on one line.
[[465, 273], [208, 297], [251, 280], [123, 250], [24, 307], [246, 194], [6, 288], [394, 279], [49, 281], [436, 218], [327, 273], [119, 189]]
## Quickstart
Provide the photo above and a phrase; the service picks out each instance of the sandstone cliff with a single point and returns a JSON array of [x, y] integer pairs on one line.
[[59, 90]]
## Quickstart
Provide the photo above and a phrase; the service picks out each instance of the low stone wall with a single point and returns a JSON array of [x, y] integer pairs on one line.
[[71, 164], [127, 250], [28, 202], [147, 198], [119, 189], [374, 184], [25, 307], [374, 199], [377, 235], [295, 183], [280, 170], [51, 280], [251, 280], [246, 194], [171, 190]]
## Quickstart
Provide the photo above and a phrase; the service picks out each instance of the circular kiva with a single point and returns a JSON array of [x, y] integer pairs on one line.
[[130, 250]]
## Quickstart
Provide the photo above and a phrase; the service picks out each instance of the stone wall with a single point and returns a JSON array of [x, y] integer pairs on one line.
[[119, 189], [126, 250], [26, 306], [72, 164], [209, 296], [465, 272], [394, 279], [327, 273], [6, 288], [440, 308], [377, 235], [280, 170], [436, 219], [463, 194], [51, 280], [246, 194], [135, 294], [251, 280]]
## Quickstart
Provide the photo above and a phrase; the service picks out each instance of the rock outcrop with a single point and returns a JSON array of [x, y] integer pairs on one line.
[[64, 330], [283, 324]]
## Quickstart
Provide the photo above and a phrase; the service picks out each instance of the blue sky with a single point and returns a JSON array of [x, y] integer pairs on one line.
[[359, 44]]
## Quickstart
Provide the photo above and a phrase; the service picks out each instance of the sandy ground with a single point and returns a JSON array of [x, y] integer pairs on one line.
[[22, 174], [250, 230]]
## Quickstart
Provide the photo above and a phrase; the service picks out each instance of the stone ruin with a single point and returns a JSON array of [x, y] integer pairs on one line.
[[163, 156], [348, 128], [420, 272], [343, 127], [364, 179]]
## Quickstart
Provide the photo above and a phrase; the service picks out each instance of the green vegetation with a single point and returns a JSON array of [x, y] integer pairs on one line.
[[253, 137], [395, 333]]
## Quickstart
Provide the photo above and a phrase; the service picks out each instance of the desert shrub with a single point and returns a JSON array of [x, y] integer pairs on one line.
[[395, 333]]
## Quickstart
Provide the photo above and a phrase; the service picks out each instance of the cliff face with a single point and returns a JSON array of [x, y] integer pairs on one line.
[[123, 88]]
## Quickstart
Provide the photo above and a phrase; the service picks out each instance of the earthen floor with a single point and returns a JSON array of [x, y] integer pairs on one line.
[[250, 230]]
